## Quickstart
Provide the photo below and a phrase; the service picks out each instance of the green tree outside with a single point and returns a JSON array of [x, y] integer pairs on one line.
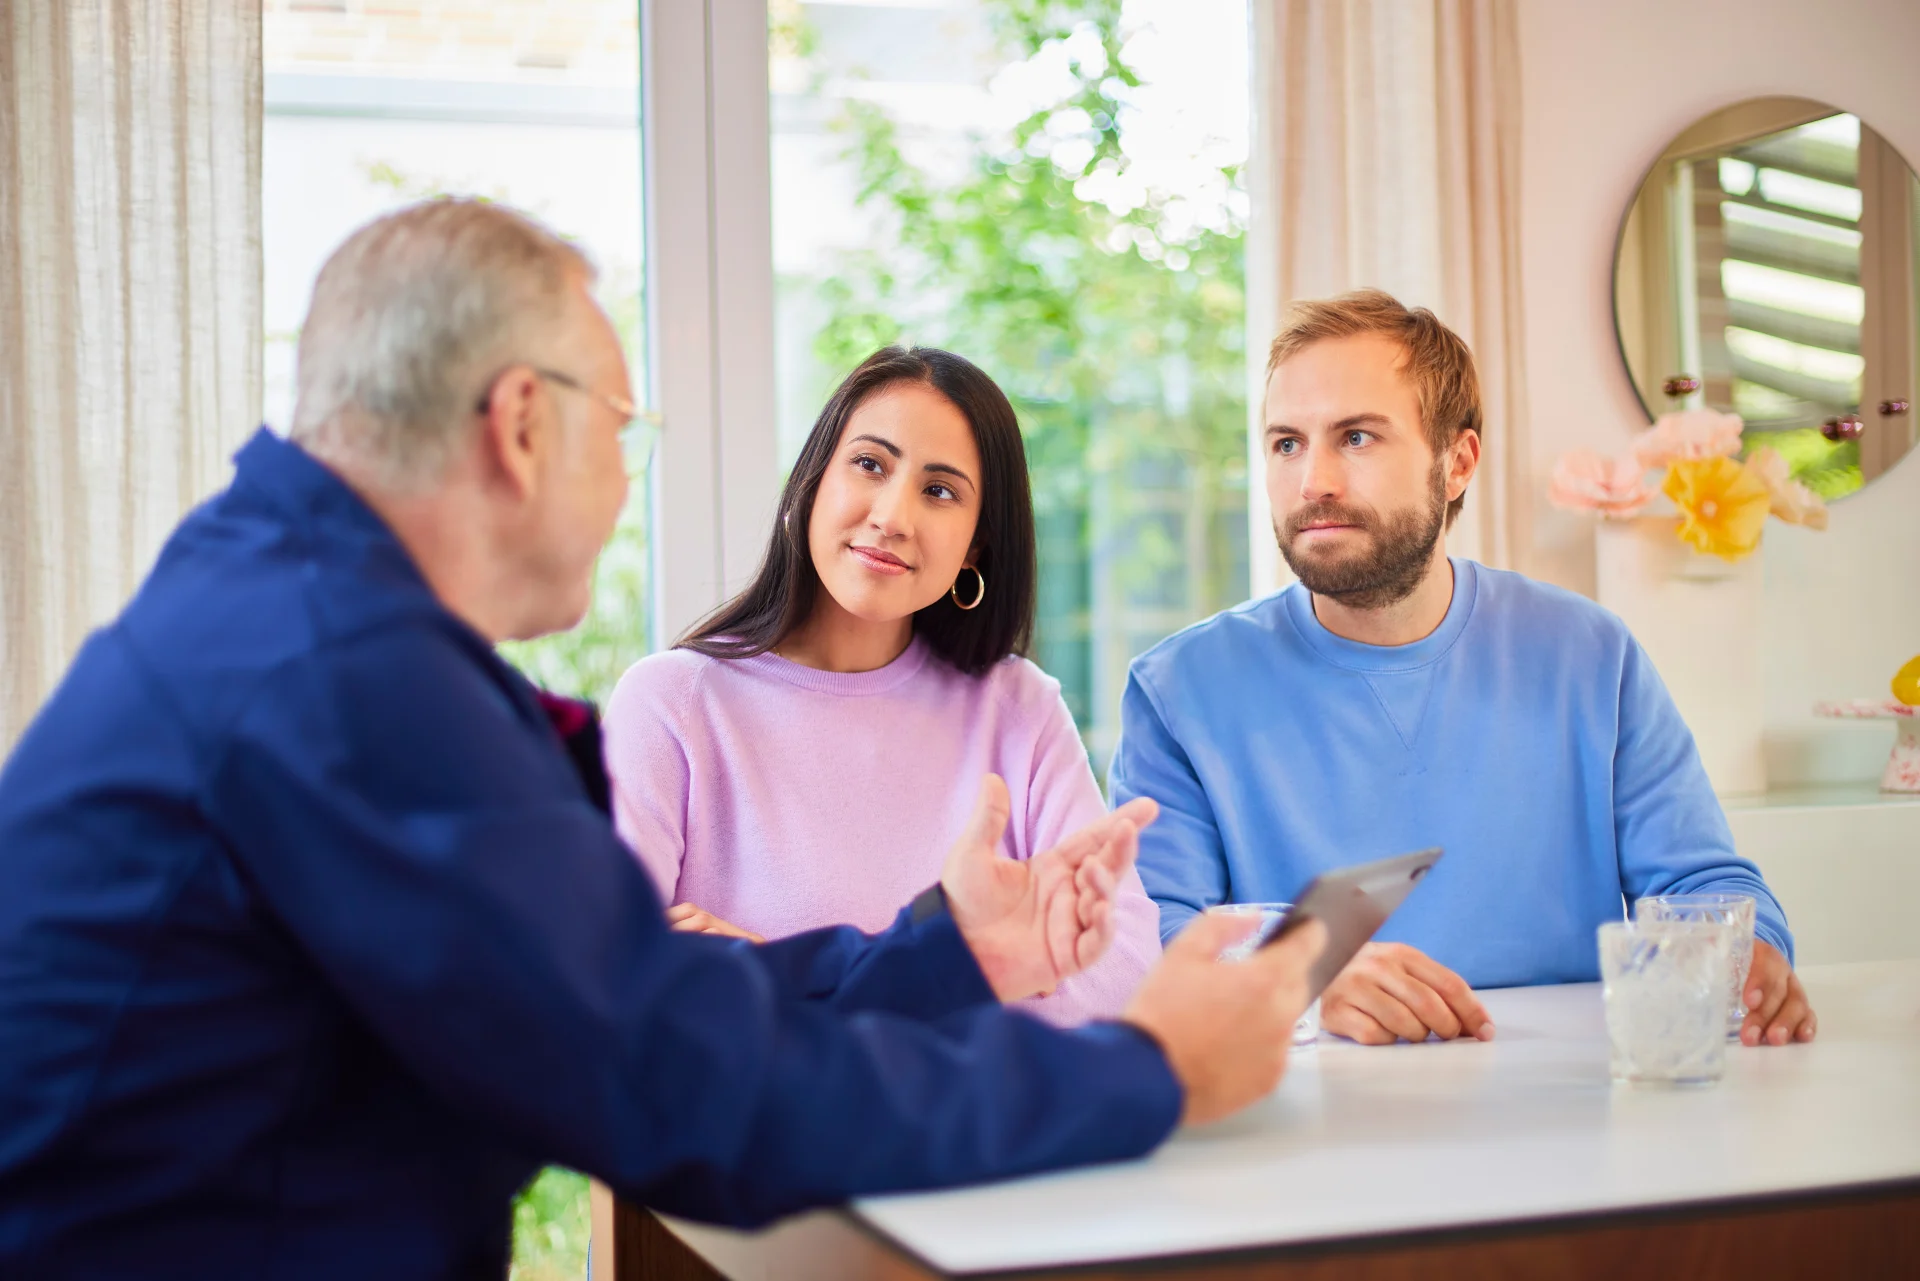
[[1117, 330]]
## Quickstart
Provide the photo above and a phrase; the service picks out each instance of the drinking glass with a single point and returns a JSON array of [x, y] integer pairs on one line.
[[1665, 987], [1306, 1030], [1732, 910]]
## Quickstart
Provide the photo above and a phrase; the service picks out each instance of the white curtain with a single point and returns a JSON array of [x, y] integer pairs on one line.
[[1390, 132], [129, 301]]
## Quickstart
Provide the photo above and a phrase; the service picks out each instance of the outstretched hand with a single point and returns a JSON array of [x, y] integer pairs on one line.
[[1031, 924]]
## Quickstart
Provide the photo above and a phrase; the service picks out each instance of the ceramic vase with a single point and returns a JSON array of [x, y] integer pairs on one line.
[[1698, 618]]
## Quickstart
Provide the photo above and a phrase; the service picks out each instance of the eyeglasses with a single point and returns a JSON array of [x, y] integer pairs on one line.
[[639, 428]]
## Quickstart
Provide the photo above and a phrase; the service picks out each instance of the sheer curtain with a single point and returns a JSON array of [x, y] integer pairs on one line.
[[129, 301], [1390, 136]]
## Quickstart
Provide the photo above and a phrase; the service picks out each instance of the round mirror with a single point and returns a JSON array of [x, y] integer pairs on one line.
[[1767, 267]]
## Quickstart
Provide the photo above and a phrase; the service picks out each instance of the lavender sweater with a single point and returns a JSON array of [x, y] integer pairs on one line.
[[782, 798]]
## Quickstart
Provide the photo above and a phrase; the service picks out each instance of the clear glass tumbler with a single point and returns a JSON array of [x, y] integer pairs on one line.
[[1732, 910], [1665, 987], [1307, 1030]]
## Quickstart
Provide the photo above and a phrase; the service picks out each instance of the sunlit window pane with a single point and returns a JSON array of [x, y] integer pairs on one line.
[[371, 106], [1829, 298], [1830, 366], [1800, 192], [1051, 191], [1787, 224], [1736, 176]]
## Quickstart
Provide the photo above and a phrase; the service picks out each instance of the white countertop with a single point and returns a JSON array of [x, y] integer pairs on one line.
[[1359, 1141]]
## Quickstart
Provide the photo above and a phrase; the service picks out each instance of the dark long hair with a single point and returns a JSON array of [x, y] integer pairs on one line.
[[782, 593]]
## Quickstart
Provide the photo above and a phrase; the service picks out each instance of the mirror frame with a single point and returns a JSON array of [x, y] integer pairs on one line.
[[1788, 105]]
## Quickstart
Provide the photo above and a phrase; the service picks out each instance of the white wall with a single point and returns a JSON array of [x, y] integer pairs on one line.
[[1605, 86]]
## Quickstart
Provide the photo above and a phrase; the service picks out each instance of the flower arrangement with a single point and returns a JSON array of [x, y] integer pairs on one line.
[[1722, 501]]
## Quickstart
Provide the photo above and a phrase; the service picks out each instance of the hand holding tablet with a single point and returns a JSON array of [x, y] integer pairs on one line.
[[1354, 903]]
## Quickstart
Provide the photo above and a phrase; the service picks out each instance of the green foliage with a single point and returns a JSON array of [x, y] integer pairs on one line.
[[551, 1223], [1831, 469], [587, 661], [1113, 321], [789, 34]]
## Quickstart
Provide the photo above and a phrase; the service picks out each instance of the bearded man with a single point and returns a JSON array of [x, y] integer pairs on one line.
[[1396, 698]]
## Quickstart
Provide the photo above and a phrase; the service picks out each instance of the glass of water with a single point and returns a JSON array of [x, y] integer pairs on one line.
[[1665, 987], [1307, 1030], [1735, 911]]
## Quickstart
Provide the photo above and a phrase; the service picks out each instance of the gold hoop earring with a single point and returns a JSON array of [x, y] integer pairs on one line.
[[979, 594]]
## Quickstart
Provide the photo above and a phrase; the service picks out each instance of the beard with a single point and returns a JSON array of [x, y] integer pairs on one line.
[[1398, 553]]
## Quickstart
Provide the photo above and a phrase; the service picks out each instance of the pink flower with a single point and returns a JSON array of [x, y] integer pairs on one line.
[[1586, 481], [1792, 501], [1691, 433]]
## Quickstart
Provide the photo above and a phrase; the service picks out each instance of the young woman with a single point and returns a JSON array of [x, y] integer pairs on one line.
[[805, 756]]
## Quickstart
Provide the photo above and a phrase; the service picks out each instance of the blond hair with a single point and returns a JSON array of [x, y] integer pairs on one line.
[[1438, 363], [410, 316]]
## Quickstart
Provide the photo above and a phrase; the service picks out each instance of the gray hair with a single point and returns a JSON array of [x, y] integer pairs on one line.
[[410, 316]]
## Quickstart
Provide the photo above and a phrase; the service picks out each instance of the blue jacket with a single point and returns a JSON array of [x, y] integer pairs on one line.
[[313, 948]]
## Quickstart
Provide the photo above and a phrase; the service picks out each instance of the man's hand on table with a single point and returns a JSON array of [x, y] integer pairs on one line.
[[1777, 1008], [1226, 1027], [1391, 992], [1031, 924]]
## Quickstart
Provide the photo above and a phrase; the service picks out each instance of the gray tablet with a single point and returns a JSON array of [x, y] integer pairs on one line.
[[1353, 903]]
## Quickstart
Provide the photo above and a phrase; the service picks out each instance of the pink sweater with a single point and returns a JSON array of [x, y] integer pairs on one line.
[[782, 798]]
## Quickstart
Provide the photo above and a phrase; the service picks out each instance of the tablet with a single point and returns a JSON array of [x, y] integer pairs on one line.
[[1353, 903]]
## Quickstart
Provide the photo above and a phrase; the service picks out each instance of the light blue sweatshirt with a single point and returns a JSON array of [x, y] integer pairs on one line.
[[1528, 735]]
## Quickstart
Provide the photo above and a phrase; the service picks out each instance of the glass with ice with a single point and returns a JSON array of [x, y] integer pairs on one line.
[[1665, 988], [1307, 1030], [1732, 910]]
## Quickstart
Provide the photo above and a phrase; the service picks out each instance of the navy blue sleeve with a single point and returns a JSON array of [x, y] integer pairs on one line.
[[923, 973], [1183, 861], [406, 815], [1669, 828], [921, 969]]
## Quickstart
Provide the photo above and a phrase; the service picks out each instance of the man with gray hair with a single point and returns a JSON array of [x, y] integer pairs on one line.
[[316, 941]]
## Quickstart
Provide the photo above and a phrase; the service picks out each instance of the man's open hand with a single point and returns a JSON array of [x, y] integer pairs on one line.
[[1031, 924]]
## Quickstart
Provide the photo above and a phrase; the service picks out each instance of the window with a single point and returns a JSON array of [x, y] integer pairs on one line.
[[373, 104], [1792, 317], [1052, 192]]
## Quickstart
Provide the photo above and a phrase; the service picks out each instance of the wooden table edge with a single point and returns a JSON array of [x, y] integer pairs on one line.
[[1867, 1229]]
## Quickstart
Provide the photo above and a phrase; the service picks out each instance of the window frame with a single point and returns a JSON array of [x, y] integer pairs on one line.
[[707, 198], [710, 302]]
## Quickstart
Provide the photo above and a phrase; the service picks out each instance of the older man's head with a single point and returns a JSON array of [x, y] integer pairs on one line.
[[456, 371]]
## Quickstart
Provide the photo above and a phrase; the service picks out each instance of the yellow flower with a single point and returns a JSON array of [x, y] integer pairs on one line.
[[1722, 505]]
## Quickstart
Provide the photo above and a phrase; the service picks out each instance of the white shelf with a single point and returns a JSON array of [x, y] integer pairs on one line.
[[1822, 796], [1844, 863]]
